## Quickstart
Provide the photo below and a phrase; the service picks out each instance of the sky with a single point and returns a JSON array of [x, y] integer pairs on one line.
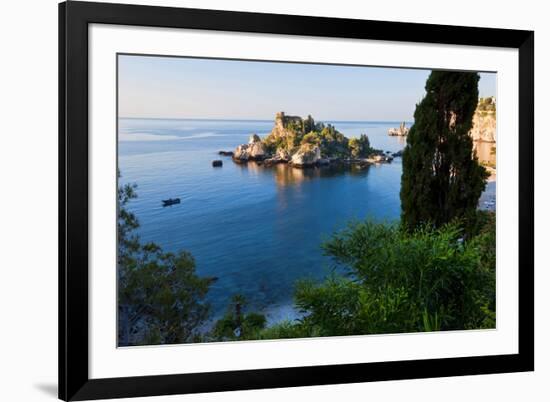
[[177, 87]]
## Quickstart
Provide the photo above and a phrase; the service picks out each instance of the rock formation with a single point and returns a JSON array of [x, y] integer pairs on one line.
[[283, 155], [484, 126], [379, 158], [254, 138], [402, 131], [306, 155], [281, 123], [254, 150]]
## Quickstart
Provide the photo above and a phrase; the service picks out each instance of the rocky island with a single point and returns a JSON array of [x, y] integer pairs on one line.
[[306, 143], [402, 131]]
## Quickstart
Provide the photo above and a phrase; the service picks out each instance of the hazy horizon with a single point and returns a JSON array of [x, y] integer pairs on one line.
[[162, 87], [260, 120]]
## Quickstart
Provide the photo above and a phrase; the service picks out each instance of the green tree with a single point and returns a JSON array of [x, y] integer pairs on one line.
[[160, 297], [238, 325], [360, 147], [332, 142], [309, 124], [442, 179], [312, 138]]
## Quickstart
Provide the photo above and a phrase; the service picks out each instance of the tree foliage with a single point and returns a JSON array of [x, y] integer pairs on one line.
[[397, 281], [160, 297], [360, 147], [442, 179], [237, 324]]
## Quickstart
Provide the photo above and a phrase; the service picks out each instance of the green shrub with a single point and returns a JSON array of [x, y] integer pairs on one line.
[[360, 147], [397, 281], [236, 324]]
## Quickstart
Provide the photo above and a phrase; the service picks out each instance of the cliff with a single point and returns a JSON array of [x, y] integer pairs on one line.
[[254, 150], [484, 122]]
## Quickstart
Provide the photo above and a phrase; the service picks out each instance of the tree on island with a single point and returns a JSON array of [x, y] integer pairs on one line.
[[360, 147], [442, 179], [160, 297]]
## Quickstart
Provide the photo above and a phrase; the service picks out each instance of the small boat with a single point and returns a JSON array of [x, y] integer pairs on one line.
[[170, 201]]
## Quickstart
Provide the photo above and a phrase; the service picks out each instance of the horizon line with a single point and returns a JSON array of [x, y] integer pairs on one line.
[[259, 119]]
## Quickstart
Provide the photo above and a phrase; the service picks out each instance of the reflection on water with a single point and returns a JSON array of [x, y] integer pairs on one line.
[[287, 175], [401, 140]]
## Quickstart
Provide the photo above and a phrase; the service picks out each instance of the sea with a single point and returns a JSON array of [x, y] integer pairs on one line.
[[256, 229]]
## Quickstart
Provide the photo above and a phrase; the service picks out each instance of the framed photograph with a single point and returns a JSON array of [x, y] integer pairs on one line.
[[258, 200]]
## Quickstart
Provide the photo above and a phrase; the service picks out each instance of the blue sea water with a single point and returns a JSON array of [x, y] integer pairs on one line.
[[257, 229]]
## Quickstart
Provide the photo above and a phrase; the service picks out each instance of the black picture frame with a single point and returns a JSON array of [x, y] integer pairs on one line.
[[74, 18]]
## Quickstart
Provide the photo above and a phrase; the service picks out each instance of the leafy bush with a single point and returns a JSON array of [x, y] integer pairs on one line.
[[238, 325], [311, 138], [409, 279], [285, 330]]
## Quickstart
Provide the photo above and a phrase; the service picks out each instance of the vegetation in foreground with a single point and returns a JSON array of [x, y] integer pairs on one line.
[[435, 270]]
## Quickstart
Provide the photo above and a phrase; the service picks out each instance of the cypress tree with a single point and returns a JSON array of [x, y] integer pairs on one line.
[[442, 179]]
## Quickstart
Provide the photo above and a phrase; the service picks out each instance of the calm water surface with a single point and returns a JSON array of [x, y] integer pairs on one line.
[[256, 229]]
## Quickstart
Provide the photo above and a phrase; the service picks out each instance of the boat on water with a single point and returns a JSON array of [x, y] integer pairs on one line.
[[170, 201]]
